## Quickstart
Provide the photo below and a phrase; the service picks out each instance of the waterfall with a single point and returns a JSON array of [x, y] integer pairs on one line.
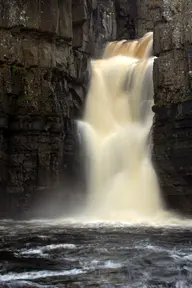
[[122, 183]]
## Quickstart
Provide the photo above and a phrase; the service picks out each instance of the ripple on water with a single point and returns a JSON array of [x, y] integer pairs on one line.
[[44, 250], [97, 255], [39, 274], [98, 264]]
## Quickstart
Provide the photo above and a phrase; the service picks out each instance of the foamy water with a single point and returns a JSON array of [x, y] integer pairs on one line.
[[39, 275], [94, 254]]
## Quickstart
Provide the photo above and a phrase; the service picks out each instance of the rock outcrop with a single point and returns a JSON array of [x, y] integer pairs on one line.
[[44, 50], [173, 102]]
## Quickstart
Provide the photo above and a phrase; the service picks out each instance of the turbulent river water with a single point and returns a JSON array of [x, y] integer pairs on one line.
[[71, 254]]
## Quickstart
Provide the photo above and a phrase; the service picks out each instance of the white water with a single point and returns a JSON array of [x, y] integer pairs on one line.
[[34, 275], [116, 126]]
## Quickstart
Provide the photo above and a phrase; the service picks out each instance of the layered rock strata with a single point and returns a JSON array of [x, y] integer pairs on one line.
[[44, 52], [173, 102]]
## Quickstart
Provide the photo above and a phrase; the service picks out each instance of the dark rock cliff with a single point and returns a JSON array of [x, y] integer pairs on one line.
[[173, 102], [45, 48], [44, 51]]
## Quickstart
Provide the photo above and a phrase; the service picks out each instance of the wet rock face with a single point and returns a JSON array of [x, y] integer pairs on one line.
[[44, 52], [147, 15], [135, 17], [173, 102], [126, 15]]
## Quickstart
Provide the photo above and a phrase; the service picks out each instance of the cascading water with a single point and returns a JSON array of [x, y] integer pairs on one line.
[[141, 48], [122, 183]]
